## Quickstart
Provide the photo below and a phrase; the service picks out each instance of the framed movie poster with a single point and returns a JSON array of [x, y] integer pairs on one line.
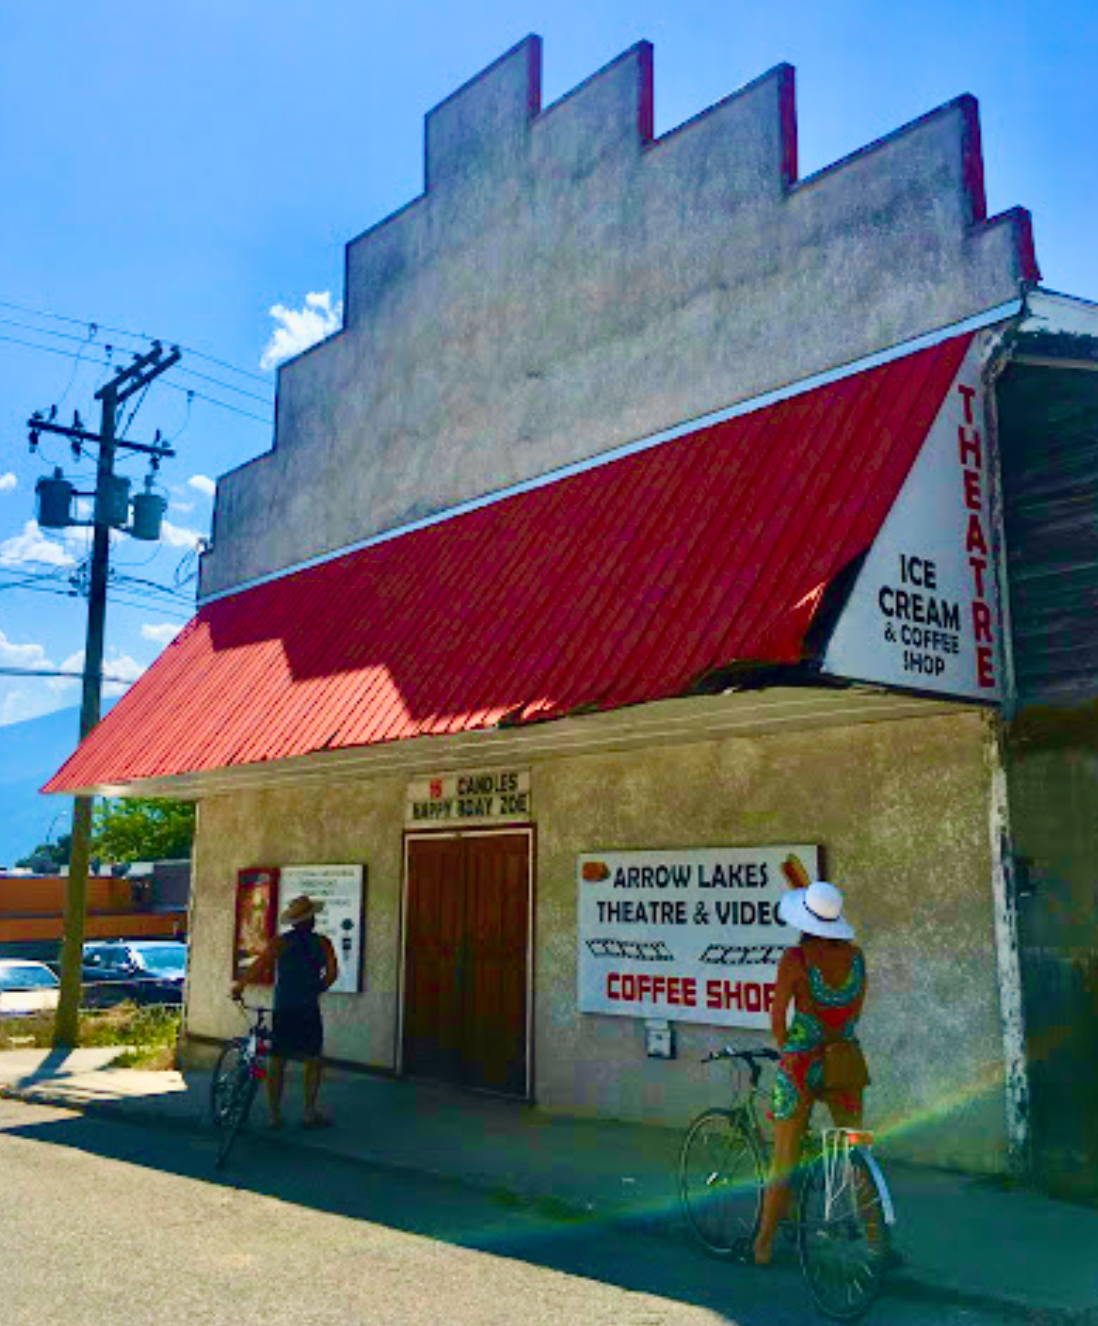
[[256, 915]]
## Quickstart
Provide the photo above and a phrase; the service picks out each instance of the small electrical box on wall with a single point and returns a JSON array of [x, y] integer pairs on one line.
[[660, 1039]]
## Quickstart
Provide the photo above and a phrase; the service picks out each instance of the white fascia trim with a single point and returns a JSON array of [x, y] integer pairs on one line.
[[976, 323], [658, 723], [1053, 312]]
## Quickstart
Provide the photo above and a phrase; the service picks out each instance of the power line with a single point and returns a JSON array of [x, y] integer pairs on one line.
[[241, 391], [135, 336], [126, 595], [174, 386], [59, 672], [86, 340], [53, 350]]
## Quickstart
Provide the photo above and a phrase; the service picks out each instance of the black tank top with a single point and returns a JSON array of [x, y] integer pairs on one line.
[[301, 968]]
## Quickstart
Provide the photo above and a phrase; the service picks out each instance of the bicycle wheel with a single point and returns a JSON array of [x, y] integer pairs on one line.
[[844, 1251], [721, 1181], [225, 1071], [239, 1092]]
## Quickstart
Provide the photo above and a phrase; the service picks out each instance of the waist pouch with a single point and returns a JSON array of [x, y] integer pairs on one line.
[[844, 1066]]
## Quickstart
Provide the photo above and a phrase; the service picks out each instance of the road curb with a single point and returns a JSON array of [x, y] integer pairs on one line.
[[903, 1283]]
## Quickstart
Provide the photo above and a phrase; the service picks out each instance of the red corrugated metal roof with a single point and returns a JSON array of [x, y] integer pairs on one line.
[[621, 584]]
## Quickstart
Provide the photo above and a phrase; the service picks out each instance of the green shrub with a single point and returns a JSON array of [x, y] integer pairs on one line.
[[150, 1033]]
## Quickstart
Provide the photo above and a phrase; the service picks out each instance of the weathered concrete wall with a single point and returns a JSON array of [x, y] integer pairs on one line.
[[343, 824], [901, 810], [567, 284], [1053, 779]]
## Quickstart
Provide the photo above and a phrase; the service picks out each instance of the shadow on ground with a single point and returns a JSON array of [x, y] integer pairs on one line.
[[541, 1232]]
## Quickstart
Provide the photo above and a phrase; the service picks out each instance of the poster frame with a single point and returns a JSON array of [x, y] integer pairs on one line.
[[250, 881]]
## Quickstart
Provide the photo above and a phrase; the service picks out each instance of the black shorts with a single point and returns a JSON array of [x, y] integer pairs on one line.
[[297, 1033]]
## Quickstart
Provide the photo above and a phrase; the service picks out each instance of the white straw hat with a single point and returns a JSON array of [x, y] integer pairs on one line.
[[817, 910]]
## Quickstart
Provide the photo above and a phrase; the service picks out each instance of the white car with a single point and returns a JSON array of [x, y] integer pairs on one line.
[[26, 987]]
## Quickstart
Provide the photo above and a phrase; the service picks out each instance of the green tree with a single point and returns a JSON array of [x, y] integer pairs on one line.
[[143, 829], [49, 857]]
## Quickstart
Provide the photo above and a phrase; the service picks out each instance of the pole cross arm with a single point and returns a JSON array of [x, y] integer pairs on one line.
[[82, 435], [124, 375], [137, 376]]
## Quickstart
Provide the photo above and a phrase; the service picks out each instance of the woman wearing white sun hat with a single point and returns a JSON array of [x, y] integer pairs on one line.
[[823, 977]]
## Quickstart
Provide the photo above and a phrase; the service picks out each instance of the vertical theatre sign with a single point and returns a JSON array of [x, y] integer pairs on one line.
[[924, 611], [689, 936]]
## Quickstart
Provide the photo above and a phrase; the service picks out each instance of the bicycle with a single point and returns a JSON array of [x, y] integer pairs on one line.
[[842, 1209], [241, 1066]]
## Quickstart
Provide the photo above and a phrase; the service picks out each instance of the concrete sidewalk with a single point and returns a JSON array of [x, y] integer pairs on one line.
[[963, 1238]]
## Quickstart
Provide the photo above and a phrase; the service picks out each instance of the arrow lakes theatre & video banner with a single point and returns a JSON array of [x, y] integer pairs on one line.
[[687, 936]]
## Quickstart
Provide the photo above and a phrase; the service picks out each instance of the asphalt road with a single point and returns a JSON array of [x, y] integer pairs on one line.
[[105, 1224]]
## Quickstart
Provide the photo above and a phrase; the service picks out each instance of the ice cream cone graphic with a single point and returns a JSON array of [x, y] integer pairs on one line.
[[796, 876]]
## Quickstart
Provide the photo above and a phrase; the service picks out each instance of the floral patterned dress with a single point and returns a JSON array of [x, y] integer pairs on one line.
[[822, 1013]]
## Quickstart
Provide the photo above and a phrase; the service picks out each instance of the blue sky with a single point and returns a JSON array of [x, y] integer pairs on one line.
[[183, 171]]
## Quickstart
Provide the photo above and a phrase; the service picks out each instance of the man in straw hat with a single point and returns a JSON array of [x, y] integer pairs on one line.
[[304, 965]]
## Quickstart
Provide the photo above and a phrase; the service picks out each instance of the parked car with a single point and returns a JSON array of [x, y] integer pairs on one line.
[[148, 971], [26, 987]]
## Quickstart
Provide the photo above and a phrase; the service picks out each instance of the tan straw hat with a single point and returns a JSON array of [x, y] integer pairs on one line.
[[301, 909]]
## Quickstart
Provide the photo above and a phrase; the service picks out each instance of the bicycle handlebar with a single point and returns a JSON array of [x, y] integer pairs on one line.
[[249, 1008], [730, 1052], [753, 1059]]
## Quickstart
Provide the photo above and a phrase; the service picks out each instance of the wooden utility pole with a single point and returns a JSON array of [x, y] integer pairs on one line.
[[123, 385]]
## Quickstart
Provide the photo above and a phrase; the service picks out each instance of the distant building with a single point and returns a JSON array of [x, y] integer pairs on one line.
[[32, 912]]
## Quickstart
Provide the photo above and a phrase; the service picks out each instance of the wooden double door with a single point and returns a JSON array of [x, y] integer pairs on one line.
[[466, 960]]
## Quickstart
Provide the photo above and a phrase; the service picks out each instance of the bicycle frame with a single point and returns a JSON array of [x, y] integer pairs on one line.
[[838, 1144], [258, 1044]]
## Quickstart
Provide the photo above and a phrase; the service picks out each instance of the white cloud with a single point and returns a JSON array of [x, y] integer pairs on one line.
[[177, 536], [297, 329], [33, 546], [29, 697], [7, 482], [125, 667], [68, 685], [204, 484], [161, 634], [185, 507], [115, 665], [25, 697], [22, 656]]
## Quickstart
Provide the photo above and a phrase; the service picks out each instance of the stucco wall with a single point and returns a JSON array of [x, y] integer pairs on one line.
[[901, 810], [566, 284], [1054, 810], [345, 824]]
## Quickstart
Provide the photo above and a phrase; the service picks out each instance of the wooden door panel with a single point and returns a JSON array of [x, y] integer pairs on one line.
[[466, 961], [433, 951], [497, 874]]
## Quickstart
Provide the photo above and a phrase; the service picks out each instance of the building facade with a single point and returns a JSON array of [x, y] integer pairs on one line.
[[639, 537]]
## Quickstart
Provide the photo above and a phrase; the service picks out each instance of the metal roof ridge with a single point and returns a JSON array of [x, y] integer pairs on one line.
[[777, 394]]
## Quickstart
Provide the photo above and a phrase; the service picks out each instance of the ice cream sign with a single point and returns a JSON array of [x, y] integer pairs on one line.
[[924, 610], [688, 936]]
